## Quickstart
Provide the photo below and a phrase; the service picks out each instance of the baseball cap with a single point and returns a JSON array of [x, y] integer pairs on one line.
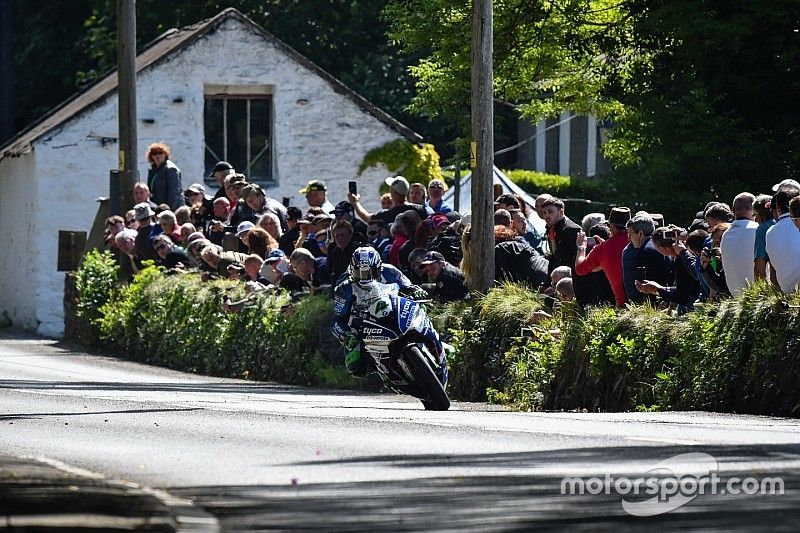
[[143, 211], [436, 183], [275, 255], [314, 185], [432, 257], [195, 187], [221, 165], [343, 208], [790, 181], [398, 184], [437, 219], [244, 227]]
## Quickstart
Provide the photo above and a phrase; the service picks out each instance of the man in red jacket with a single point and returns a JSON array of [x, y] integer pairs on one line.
[[607, 255]]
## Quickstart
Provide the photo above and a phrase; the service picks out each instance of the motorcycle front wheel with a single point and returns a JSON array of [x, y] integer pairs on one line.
[[435, 398]]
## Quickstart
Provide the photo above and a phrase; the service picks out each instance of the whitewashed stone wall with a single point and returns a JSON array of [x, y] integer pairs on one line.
[[19, 231], [59, 183]]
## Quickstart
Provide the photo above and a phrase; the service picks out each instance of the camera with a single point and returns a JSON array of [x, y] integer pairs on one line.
[[352, 186]]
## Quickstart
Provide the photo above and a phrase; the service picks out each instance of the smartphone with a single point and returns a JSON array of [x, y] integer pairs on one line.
[[641, 273], [352, 186], [286, 201]]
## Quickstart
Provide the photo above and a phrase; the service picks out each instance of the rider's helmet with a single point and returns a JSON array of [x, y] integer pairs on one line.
[[365, 266]]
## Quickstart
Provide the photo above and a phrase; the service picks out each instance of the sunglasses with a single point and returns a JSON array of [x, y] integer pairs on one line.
[[372, 233], [156, 152], [435, 186]]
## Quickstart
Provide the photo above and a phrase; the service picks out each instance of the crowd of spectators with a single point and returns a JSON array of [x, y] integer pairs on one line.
[[242, 233]]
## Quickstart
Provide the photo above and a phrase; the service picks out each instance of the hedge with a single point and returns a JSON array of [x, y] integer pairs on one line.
[[741, 355], [178, 322]]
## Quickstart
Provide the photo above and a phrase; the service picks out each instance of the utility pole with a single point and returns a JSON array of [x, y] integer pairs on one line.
[[6, 70], [482, 148], [126, 87]]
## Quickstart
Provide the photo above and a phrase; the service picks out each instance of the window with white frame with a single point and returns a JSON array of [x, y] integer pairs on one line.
[[237, 121]]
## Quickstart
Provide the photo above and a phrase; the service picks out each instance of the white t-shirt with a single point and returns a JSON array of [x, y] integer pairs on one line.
[[737, 254], [783, 247]]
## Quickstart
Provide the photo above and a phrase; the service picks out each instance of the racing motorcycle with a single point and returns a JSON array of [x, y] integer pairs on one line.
[[397, 333]]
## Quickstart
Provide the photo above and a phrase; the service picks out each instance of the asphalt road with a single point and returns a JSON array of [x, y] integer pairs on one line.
[[261, 455]]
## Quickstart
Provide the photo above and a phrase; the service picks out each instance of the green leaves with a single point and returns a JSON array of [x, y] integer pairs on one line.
[[418, 163]]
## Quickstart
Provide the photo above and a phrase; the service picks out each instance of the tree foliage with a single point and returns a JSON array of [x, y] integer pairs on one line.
[[699, 93]]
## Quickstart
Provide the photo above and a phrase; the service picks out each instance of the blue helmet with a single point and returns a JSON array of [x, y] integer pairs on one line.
[[365, 265]]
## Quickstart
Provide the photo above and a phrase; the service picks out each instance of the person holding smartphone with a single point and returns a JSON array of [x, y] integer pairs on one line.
[[686, 289], [641, 260], [398, 188]]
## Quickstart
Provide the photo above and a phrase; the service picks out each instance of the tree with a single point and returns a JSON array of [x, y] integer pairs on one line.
[[699, 93]]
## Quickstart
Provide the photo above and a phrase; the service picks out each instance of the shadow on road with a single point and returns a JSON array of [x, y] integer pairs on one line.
[[35, 416], [506, 502], [211, 388]]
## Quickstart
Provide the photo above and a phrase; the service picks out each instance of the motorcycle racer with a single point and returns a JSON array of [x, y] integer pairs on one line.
[[359, 286]]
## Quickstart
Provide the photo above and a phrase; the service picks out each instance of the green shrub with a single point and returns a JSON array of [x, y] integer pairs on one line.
[[95, 281], [482, 332], [535, 182]]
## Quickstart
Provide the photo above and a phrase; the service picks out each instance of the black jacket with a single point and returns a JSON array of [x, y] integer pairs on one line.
[[449, 286], [165, 185], [566, 248], [517, 260]]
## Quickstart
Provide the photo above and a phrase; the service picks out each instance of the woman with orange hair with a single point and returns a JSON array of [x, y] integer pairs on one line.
[[164, 177]]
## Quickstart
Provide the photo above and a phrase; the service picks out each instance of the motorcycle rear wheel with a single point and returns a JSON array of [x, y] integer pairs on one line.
[[427, 381]]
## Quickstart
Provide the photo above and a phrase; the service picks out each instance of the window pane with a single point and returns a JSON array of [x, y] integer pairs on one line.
[[212, 125], [260, 141], [237, 134]]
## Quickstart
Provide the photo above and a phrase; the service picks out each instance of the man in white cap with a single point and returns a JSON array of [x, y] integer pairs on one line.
[[436, 189], [398, 187], [793, 183]]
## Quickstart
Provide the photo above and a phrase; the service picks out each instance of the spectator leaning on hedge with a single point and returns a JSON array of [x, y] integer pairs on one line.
[[607, 255], [448, 279], [686, 289], [170, 255], [737, 244], [783, 240]]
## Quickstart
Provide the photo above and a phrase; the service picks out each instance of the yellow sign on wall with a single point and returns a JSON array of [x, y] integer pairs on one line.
[[121, 160], [473, 154]]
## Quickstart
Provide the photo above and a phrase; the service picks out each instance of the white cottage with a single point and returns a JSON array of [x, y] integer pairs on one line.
[[222, 89]]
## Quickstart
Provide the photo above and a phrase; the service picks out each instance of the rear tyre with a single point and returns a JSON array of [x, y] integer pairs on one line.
[[434, 396]]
